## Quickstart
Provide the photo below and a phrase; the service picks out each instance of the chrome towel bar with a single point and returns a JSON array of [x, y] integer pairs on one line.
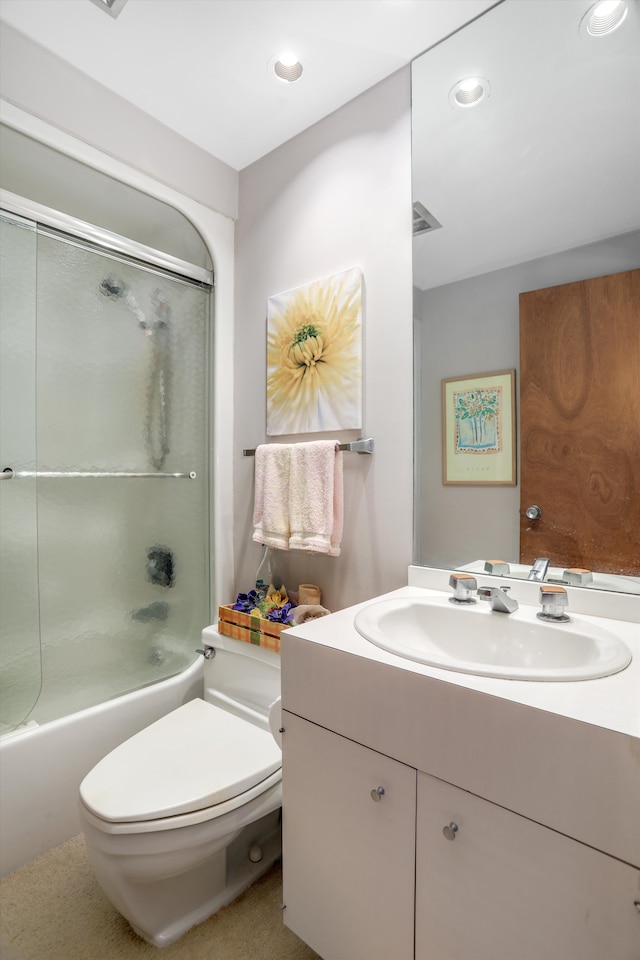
[[355, 446]]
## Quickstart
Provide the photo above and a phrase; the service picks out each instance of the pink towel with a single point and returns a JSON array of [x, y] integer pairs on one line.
[[299, 496]]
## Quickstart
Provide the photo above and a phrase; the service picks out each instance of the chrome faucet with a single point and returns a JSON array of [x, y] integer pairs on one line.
[[499, 599], [539, 569]]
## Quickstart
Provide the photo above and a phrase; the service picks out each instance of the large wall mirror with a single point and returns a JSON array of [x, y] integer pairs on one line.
[[525, 179]]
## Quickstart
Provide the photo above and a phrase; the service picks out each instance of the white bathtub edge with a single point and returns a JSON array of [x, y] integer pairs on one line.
[[41, 770]]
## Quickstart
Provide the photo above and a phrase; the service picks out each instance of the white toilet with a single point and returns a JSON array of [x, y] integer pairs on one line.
[[185, 815]]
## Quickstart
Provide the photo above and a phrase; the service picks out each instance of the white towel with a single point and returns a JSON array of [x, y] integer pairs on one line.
[[316, 497], [299, 497], [271, 502]]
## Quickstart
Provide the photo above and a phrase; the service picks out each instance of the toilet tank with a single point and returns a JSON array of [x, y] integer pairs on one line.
[[242, 677]]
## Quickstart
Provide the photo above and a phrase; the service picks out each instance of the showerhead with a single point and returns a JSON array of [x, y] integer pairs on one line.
[[118, 290]]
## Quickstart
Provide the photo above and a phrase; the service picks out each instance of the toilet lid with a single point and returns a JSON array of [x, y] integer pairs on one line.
[[194, 757]]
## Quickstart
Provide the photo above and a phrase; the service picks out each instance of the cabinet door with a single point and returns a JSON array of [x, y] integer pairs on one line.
[[505, 887], [348, 860]]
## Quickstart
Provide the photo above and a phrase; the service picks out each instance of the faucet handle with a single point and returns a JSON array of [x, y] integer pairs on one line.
[[577, 575], [554, 600], [464, 585], [499, 567]]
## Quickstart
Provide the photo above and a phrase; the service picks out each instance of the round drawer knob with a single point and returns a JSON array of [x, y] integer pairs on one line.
[[377, 794], [533, 512], [450, 831]]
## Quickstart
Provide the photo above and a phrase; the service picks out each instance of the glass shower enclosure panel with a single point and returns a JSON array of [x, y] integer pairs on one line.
[[20, 672], [122, 467]]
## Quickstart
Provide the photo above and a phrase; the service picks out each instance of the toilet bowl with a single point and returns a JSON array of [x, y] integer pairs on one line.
[[182, 817]]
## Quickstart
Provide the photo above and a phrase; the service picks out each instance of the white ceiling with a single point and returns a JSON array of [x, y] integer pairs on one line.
[[549, 162], [204, 67]]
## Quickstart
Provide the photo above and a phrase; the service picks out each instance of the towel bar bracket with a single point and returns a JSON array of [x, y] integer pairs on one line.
[[355, 446]]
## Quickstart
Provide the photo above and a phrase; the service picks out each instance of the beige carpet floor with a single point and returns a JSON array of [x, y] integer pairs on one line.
[[53, 909]]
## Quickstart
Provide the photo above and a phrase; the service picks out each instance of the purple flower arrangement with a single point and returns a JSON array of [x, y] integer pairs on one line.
[[246, 602], [276, 606], [280, 614]]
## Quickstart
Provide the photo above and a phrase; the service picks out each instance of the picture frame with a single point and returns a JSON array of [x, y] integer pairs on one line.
[[314, 356], [478, 429]]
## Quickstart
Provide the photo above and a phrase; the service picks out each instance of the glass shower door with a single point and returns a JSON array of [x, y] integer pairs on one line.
[[20, 665], [123, 474]]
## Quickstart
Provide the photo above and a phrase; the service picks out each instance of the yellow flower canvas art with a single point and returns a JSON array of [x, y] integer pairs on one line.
[[314, 356]]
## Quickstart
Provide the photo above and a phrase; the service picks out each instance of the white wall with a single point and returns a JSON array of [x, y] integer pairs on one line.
[[44, 85], [338, 195]]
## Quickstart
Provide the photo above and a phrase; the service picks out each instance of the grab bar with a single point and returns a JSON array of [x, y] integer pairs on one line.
[[9, 474], [355, 446]]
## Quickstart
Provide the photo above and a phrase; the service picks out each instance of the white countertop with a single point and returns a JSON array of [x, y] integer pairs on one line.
[[611, 702]]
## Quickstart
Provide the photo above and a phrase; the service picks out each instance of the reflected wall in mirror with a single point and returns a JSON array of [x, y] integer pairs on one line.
[[533, 186]]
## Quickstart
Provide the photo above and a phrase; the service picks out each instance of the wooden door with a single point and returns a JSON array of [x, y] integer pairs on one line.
[[348, 860], [580, 423]]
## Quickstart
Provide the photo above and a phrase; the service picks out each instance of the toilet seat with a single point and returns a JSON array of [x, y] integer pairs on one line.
[[194, 758]]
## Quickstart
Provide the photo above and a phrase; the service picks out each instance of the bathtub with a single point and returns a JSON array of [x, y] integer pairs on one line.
[[42, 766]]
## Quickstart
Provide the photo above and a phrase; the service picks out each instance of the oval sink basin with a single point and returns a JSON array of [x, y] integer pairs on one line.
[[475, 639]]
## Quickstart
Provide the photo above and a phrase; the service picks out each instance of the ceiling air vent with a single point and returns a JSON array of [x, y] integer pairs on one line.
[[112, 7], [423, 221]]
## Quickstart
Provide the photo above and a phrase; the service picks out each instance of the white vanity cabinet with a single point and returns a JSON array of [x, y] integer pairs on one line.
[[348, 845], [544, 862], [492, 885], [376, 853]]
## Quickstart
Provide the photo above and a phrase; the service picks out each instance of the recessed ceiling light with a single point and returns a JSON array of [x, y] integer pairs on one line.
[[469, 92], [287, 67], [603, 18]]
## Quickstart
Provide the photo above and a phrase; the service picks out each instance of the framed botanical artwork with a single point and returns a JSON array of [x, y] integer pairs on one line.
[[314, 356], [478, 429]]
